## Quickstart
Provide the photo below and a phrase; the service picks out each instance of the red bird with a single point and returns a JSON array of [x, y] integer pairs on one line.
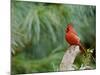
[[72, 37]]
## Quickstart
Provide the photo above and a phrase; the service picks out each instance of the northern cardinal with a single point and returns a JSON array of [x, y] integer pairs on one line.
[[72, 37]]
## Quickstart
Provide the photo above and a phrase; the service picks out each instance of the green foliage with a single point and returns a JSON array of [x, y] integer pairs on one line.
[[38, 34]]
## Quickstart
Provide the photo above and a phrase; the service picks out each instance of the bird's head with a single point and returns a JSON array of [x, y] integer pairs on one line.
[[69, 27]]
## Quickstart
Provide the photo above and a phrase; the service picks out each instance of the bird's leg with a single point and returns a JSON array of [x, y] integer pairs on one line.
[[70, 46]]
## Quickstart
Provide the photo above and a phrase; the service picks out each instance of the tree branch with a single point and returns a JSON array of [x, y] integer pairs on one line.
[[69, 57]]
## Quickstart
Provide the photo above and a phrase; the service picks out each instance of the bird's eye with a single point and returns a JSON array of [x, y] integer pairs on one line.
[[67, 28]]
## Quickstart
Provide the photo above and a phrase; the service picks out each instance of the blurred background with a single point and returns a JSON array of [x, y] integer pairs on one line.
[[38, 35]]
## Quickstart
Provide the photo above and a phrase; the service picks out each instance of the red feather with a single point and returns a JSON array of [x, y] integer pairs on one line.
[[72, 37]]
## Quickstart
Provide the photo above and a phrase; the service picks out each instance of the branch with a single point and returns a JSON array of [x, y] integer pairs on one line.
[[69, 57]]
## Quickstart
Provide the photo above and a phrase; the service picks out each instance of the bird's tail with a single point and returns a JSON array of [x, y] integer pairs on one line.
[[82, 48]]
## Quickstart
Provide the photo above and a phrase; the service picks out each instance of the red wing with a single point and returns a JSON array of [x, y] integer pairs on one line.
[[72, 38]]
